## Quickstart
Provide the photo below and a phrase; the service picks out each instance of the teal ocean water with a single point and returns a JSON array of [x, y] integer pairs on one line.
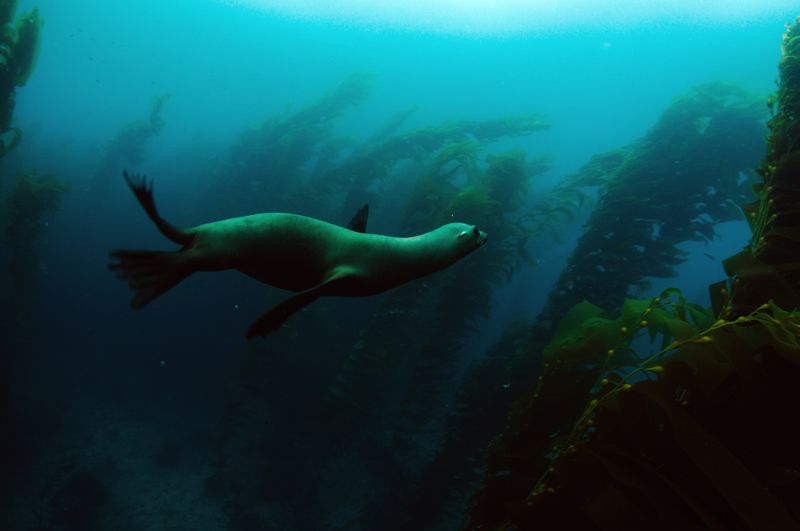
[[603, 146]]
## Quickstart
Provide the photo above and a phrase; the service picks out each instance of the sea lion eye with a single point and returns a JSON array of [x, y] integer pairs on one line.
[[476, 232], [463, 233]]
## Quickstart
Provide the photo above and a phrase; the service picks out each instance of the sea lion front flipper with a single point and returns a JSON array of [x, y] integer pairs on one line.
[[359, 221], [274, 318]]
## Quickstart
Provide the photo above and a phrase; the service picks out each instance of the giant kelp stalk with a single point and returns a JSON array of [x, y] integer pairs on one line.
[[373, 396], [30, 203], [394, 384], [126, 149], [671, 186], [22, 218], [314, 422], [270, 163], [768, 268], [439, 309], [19, 47], [692, 435], [366, 172]]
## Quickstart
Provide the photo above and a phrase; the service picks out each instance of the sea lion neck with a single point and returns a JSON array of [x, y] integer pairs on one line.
[[427, 253]]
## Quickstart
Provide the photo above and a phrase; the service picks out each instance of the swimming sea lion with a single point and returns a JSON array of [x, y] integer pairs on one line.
[[291, 252]]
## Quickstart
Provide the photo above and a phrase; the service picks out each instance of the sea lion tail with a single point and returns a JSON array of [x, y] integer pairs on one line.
[[148, 273], [143, 190]]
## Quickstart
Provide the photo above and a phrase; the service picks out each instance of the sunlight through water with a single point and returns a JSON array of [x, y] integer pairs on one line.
[[519, 16]]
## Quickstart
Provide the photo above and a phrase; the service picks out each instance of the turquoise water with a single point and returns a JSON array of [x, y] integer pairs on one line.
[[166, 418]]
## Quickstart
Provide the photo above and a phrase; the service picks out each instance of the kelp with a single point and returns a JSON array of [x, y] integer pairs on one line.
[[126, 148], [19, 48], [454, 186], [671, 186], [31, 200], [394, 385], [269, 164], [492, 199], [366, 171], [770, 265], [379, 386], [691, 436]]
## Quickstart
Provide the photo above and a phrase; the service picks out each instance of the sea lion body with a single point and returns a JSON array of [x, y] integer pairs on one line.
[[291, 252], [296, 253]]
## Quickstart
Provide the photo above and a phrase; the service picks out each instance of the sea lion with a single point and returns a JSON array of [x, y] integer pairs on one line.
[[291, 252]]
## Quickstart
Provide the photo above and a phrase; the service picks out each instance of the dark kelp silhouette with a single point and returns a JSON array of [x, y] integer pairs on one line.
[[693, 436], [451, 167], [641, 216], [126, 148], [394, 385], [19, 48], [271, 163]]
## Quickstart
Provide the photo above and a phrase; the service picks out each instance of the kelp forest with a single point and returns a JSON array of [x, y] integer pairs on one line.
[[688, 434], [617, 407]]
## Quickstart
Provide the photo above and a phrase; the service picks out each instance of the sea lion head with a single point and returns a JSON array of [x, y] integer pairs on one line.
[[467, 237]]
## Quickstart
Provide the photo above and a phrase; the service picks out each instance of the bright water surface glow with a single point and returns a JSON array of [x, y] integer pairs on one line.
[[508, 17]]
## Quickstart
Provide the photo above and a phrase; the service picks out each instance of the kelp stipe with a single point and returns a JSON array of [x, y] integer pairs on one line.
[[671, 186], [19, 49], [682, 437], [697, 434], [769, 268]]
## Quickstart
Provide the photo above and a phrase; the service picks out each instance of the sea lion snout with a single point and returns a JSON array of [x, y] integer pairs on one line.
[[482, 237], [471, 235]]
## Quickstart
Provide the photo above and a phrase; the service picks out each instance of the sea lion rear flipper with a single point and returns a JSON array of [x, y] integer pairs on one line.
[[148, 273], [359, 221], [143, 190]]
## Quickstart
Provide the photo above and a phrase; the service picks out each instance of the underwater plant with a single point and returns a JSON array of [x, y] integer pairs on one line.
[[19, 48], [671, 186], [686, 436], [768, 267], [31, 200], [127, 146], [367, 170], [270, 163], [347, 406], [397, 384], [440, 310], [689, 434]]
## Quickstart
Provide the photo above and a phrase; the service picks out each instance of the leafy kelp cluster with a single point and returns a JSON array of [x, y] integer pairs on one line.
[[19, 46], [349, 416], [768, 268], [31, 200], [381, 388], [23, 213], [693, 435], [687, 174], [127, 147], [275, 162]]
